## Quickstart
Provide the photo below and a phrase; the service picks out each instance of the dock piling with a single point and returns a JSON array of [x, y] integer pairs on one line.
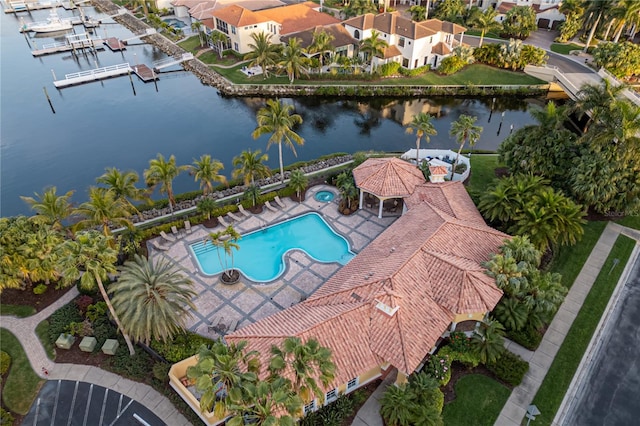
[[53, 74], [48, 99], [132, 86]]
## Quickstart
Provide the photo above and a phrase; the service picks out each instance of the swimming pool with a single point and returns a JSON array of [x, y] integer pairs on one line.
[[261, 254]]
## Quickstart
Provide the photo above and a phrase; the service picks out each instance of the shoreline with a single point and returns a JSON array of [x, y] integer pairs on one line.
[[210, 77]]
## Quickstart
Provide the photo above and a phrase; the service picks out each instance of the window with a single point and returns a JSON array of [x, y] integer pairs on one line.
[[426, 60], [222, 26], [310, 407], [233, 30], [352, 384], [356, 34], [236, 47], [331, 396], [401, 42]]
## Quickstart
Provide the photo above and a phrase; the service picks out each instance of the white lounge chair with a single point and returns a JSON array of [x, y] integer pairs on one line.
[[270, 207], [222, 222], [158, 246], [187, 227], [243, 211], [280, 202], [174, 231], [168, 238], [234, 217]]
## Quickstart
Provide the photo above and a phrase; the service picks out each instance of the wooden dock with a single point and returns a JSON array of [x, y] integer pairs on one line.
[[28, 6], [144, 73], [76, 42], [114, 44], [102, 73]]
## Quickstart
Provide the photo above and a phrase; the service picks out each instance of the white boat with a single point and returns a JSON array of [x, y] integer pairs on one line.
[[52, 24]]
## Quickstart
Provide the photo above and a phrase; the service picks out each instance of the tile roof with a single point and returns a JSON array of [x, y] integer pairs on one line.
[[239, 16], [298, 17], [427, 264], [341, 36], [504, 7], [395, 23], [391, 52], [441, 49], [387, 177]]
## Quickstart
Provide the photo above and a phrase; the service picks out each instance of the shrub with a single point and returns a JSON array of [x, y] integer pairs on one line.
[[414, 72], [137, 367], [469, 358], [510, 368], [439, 367], [451, 64], [83, 302], [459, 342], [461, 168], [528, 337], [103, 330], [96, 311], [6, 418], [183, 346], [40, 289], [60, 320], [87, 291], [388, 69], [5, 362], [161, 371]]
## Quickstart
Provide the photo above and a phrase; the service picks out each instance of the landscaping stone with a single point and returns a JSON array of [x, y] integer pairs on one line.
[[88, 344], [65, 341], [110, 346]]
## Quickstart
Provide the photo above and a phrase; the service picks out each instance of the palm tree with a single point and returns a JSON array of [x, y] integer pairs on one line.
[[488, 342], [123, 184], [220, 371], [464, 129], [512, 313], [92, 252], [294, 59], [226, 241], [597, 99], [205, 170], [264, 53], [103, 209], [373, 46], [595, 10], [250, 165], [422, 124], [252, 193], [219, 40], [485, 22], [52, 207], [397, 405], [197, 26], [265, 403], [298, 181], [321, 43], [206, 206], [162, 172], [308, 362], [629, 15], [418, 13], [276, 119], [152, 299]]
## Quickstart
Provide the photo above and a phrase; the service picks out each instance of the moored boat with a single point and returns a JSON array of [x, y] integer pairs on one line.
[[52, 24]]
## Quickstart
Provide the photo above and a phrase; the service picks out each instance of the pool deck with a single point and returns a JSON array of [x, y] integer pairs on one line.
[[247, 301]]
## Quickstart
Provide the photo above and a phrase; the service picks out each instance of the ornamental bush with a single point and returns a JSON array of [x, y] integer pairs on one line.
[[414, 72], [388, 69], [60, 320], [6, 418], [451, 64], [510, 368], [5, 362], [468, 358], [183, 346], [439, 367], [40, 289], [528, 337]]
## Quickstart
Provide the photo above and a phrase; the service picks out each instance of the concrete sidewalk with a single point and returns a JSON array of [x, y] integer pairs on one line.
[[540, 361], [24, 330]]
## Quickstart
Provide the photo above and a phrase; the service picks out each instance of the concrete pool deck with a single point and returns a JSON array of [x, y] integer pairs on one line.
[[247, 302]]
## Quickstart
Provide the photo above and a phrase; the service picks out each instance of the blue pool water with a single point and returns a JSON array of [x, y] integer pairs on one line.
[[325, 196], [261, 254]]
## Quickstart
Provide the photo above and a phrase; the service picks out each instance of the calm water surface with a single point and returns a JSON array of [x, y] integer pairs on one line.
[[104, 124]]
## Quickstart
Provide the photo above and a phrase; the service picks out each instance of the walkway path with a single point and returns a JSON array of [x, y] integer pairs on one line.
[[24, 330], [540, 361]]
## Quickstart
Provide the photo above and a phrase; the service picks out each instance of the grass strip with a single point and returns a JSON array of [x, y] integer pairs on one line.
[[565, 364], [564, 49], [483, 172], [20, 311], [42, 331], [478, 402], [630, 221], [22, 384]]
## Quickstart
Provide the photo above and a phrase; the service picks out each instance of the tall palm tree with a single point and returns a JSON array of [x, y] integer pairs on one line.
[[373, 46], [422, 124], [205, 169], [53, 208], [197, 27], [162, 172], [252, 193], [294, 60], [222, 370], [595, 10], [152, 299], [92, 252], [264, 53], [322, 43], [123, 185], [298, 181], [464, 129], [276, 119], [485, 22], [309, 363], [265, 403], [629, 16], [103, 209], [250, 165], [219, 40]]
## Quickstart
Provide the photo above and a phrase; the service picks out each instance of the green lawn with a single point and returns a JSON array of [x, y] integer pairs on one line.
[[22, 384], [482, 172], [192, 44], [42, 331], [19, 311], [486, 35], [478, 402], [630, 221], [557, 380], [569, 260], [564, 49]]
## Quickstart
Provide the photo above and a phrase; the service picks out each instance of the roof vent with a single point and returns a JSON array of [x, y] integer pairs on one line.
[[356, 296], [386, 308]]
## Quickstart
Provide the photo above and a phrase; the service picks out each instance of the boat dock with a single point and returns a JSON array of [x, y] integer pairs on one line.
[[26, 26], [28, 6], [73, 43], [143, 72], [114, 44]]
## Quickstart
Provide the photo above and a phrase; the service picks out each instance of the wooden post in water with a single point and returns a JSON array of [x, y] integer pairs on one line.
[[53, 74], [155, 80], [131, 80], [48, 99]]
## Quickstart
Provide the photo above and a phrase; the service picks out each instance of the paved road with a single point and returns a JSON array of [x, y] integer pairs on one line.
[[609, 394], [66, 402]]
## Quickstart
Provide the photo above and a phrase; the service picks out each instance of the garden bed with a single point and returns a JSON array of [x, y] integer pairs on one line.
[[26, 297]]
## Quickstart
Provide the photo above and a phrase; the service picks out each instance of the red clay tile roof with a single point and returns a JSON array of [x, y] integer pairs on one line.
[[298, 17], [239, 16], [438, 170], [391, 52], [505, 7], [395, 23], [387, 177], [341, 36], [427, 265]]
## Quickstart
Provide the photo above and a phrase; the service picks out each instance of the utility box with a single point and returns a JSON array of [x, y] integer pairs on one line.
[[110, 346], [65, 341], [88, 344]]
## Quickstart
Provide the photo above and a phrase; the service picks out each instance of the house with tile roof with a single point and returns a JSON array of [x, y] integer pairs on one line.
[[200, 10], [342, 42], [239, 23], [391, 305], [547, 13], [412, 44]]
